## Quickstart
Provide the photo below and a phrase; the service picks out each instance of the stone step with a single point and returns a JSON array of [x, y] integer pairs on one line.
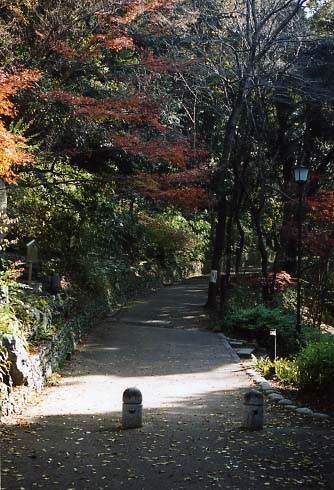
[[245, 351], [236, 342]]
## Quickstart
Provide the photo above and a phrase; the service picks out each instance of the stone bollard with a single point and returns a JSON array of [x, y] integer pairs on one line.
[[253, 410], [132, 413]]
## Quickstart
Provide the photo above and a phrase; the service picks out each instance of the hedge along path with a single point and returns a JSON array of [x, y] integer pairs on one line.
[[193, 388]]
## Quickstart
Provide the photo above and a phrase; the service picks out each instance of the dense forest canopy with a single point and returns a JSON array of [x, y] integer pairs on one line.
[[155, 134]]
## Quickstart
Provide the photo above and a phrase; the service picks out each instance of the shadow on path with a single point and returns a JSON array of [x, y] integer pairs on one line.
[[198, 445], [193, 389]]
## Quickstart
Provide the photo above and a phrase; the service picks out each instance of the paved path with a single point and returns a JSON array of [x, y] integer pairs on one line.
[[193, 387]]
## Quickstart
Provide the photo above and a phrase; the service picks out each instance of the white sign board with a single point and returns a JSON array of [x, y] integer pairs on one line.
[[213, 276], [273, 332]]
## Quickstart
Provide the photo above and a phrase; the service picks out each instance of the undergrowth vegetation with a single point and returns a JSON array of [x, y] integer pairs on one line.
[[303, 361], [103, 247], [31, 316], [311, 369], [256, 322]]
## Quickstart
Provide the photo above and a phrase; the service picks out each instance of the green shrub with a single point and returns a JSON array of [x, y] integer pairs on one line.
[[286, 298], [115, 282], [256, 323], [265, 365], [286, 371], [309, 335], [315, 364], [173, 242]]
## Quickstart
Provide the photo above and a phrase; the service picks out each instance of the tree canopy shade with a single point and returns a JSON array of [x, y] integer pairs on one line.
[[247, 48], [201, 106], [96, 84], [322, 17]]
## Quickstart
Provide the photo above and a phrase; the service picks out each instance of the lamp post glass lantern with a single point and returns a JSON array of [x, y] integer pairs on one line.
[[300, 174]]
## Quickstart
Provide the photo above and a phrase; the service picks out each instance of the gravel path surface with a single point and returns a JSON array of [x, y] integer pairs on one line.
[[193, 387]]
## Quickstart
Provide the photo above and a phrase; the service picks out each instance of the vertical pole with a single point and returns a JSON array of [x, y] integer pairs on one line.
[[29, 272], [299, 258]]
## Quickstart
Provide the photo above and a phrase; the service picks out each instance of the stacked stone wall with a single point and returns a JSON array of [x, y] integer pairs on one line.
[[46, 360]]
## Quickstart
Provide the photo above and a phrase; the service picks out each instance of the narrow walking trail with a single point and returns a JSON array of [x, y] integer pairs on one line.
[[193, 386]]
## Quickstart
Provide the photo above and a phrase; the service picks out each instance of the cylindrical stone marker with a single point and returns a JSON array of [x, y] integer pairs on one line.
[[253, 410], [132, 413]]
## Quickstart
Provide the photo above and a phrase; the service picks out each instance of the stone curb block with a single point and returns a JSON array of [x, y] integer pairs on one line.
[[276, 397], [304, 411], [285, 402]]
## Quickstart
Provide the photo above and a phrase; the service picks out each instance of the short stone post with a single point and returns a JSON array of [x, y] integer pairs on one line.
[[132, 413], [253, 410]]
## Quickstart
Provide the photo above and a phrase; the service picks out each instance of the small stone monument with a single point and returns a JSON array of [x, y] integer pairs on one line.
[[132, 413], [253, 410], [32, 258]]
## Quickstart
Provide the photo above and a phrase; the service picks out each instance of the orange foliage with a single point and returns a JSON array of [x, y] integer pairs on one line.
[[13, 147], [186, 189], [155, 149], [133, 9], [117, 36], [137, 112], [164, 65], [277, 281], [322, 206], [319, 234], [116, 40], [62, 48], [134, 109], [114, 33], [138, 129], [189, 198], [119, 43]]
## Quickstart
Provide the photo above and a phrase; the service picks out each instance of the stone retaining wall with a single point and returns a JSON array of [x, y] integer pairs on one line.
[[49, 358]]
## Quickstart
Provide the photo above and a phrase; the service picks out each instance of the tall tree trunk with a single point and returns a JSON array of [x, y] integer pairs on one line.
[[228, 145], [234, 206], [256, 212], [225, 279], [286, 155], [240, 248], [264, 257], [217, 251]]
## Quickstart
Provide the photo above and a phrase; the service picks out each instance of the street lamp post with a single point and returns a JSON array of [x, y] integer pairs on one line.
[[300, 175]]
